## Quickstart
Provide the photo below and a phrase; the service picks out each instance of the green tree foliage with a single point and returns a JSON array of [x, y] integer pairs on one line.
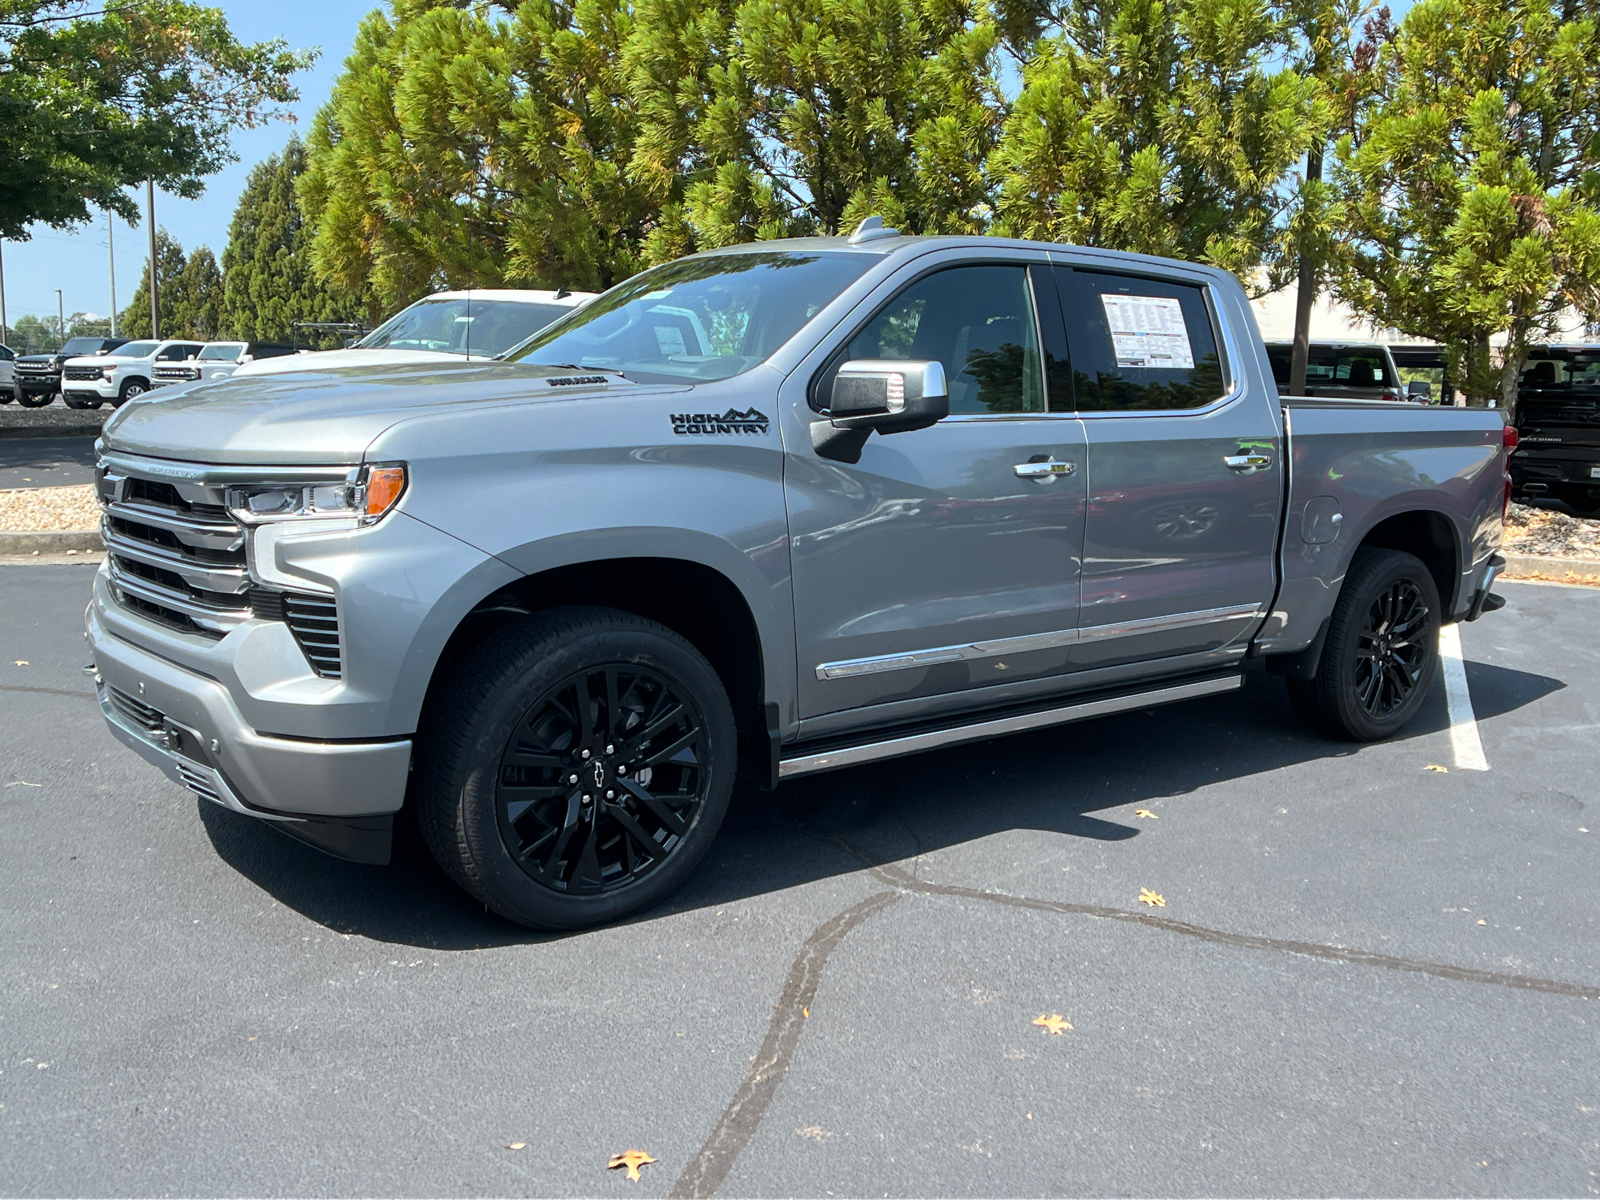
[[1159, 127], [95, 97], [36, 335], [267, 280], [464, 146], [1471, 184], [188, 291]]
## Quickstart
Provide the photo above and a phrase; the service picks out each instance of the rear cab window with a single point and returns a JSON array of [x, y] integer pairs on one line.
[[1139, 343]]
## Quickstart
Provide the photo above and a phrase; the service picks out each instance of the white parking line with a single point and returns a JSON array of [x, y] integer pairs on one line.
[[1463, 724]]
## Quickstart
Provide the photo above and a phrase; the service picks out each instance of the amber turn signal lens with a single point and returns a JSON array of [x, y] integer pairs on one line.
[[384, 485]]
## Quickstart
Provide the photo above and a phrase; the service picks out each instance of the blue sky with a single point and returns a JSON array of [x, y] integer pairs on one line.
[[77, 262]]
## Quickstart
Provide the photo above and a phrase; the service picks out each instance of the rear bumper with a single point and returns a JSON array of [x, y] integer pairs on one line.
[[340, 796], [1482, 598]]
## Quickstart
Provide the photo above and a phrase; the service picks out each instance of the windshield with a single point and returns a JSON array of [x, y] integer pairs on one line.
[[1581, 370], [698, 318], [486, 327], [83, 345], [226, 352], [134, 350]]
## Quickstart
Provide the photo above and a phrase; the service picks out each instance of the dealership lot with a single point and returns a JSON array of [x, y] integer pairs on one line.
[[1367, 976]]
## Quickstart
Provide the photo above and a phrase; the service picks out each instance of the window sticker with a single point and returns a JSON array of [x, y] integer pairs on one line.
[[1148, 331], [669, 339]]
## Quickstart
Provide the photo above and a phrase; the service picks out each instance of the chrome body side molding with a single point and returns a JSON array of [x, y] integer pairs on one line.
[[848, 668], [914, 743]]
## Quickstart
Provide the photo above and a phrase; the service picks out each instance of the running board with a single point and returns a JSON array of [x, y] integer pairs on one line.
[[933, 739]]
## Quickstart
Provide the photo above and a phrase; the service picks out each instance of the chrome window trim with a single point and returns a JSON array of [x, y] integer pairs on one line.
[[851, 668]]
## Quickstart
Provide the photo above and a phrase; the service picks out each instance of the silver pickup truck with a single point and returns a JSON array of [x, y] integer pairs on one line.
[[765, 511]]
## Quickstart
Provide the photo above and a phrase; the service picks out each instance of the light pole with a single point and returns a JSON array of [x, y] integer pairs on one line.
[[111, 259], [155, 308], [61, 318], [3, 337]]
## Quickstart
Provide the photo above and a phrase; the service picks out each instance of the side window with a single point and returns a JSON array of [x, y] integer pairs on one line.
[[1139, 344], [978, 322]]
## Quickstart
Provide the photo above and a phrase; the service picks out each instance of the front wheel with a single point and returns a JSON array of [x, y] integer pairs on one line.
[[35, 399], [74, 402], [132, 390], [575, 767], [1378, 661]]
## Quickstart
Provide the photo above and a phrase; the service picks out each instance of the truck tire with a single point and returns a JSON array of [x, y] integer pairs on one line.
[[575, 767], [131, 390], [1378, 661], [35, 399], [74, 402]]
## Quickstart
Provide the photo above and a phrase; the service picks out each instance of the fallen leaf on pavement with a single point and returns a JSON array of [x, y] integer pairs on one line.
[[1145, 812], [1153, 899], [1438, 768], [516, 1145], [632, 1159], [1055, 1022], [805, 1012], [21, 662], [1482, 922]]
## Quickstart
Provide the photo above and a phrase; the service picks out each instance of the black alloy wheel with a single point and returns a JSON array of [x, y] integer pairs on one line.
[[1382, 646], [574, 767], [35, 399], [1389, 655], [602, 779]]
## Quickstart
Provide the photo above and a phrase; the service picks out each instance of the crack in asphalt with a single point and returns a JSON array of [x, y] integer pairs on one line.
[[43, 691], [740, 1120], [897, 877]]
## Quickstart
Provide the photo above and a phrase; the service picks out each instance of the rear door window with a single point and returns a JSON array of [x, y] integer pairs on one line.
[[1139, 344]]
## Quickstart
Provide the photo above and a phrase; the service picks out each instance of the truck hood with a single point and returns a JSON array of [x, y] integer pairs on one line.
[[327, 359], [331, 415]]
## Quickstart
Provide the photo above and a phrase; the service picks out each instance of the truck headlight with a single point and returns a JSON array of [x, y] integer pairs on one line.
[[365, 494]]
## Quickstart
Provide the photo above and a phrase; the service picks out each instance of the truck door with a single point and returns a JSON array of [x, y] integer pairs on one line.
[[1185, 473], [946, 559]]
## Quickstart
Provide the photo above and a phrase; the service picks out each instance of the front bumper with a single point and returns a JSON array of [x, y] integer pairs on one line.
[[38, 385], [343, 793]]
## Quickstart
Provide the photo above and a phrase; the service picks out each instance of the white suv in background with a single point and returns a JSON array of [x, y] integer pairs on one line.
[[217, 360], [443, 327], [8, 375], [121, 375]]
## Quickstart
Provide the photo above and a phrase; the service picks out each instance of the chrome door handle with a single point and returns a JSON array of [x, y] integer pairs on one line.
[[1044, 472], [1248, 463]]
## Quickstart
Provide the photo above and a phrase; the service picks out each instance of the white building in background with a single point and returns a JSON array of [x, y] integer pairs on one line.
[[1332, 321]]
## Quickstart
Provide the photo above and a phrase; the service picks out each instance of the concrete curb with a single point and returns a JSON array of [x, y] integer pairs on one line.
[[14, 544], [1552, 566], [48, 431]]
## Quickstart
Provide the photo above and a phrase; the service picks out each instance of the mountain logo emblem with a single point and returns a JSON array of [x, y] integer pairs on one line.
[[734, 421]]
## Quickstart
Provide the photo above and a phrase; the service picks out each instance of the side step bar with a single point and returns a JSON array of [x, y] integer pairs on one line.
[[933, 739]]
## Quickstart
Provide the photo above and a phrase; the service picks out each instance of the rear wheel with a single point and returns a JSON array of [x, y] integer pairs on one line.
[[576, 767], [1378, 661]]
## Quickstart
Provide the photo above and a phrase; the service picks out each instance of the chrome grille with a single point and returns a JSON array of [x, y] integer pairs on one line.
[[178, 374], [176, 555], [199, 780], [314, 621]]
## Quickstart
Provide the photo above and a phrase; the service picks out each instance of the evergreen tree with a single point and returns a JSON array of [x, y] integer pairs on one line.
[[170, 261], [1471, 184], [1163, 128], [197, 307], [268, 283]]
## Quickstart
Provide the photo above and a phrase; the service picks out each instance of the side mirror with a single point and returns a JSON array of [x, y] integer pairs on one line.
[[879, 394], [191, 358], [1420, 389]]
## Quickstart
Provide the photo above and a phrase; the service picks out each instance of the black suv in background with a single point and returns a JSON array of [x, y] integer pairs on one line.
[[39, 375], [1557, 460]]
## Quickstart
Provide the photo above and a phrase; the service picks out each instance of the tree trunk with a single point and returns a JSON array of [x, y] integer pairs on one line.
[[1306, 296]]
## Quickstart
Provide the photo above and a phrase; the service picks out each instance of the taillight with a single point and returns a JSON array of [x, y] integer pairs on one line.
[[1509, 438], [1391, 396]]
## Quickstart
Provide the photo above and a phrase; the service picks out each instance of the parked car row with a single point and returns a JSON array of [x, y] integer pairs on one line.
[[1557, 461], [443, 327]]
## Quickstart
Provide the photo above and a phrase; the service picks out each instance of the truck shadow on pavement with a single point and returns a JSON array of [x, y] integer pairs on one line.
[[1052, 780]]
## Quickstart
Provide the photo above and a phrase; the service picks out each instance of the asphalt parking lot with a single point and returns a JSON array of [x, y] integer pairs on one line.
[[45, 462], [1368, 977]]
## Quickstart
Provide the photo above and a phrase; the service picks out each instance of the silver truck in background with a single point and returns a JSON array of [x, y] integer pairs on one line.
[[771, 510]]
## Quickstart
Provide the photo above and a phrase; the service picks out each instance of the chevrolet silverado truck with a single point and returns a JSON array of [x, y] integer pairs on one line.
[[761, 512]]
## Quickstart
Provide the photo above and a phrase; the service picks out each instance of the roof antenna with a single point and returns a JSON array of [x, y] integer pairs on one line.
[[562, 293], [870, 230]]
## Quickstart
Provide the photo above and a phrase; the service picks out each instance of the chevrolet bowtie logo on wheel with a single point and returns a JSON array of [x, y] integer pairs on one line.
[[732, 421]]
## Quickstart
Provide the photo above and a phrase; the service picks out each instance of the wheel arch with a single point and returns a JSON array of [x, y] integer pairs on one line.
[[1428, 534], [695, 600]]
